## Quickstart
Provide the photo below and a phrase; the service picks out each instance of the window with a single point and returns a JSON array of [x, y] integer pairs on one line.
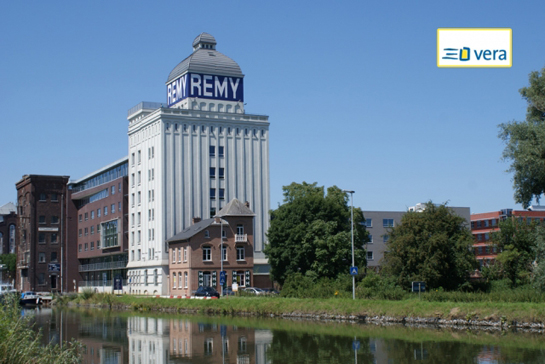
[[240, 229], [212, 172], [486, 223], [86, 231], [86, 216], [139, 255], [207, 254], [221, 172], [113, 206], [41, 279], [139, 198], [98, 212], [207, 234], [98, 244], [54, 197], [93, 215], [41, 257], [478, 224], [92, 245], [80, 217], [132, 255], [155, 277], [86, 246], [92, 230], [43, 197], [105, 210], [119, 187], [185, 254], [222, 193], [212, 211], [212, 150], [112, 190], [139, 157], [494, 222], [41, 219], [486, 236], [139, 178], [369, 255], [132, 180], [185, 279], [53, 238], [174, 280], [220, 149], [79, 248], [41, 238], [139, 218], [385, 238], [132, 159], [110, 235], [370, 239], [387, 223], [79, 233], [368, 223], [240, 253], [212, 193], [224, 253]]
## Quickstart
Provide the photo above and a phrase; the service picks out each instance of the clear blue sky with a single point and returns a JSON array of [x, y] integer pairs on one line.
[[352, 89]]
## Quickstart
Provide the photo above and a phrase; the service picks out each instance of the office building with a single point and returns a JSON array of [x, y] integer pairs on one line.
[[190, 155]]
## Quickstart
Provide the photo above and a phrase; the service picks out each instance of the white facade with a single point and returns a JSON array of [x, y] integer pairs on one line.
[[189, 161]]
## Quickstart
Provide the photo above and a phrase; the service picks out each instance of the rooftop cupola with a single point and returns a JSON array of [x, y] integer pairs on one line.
[[204, 40]]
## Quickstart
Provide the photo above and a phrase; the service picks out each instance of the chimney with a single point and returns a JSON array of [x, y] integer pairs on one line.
[[196, 220], [247, 204], [217, 220]]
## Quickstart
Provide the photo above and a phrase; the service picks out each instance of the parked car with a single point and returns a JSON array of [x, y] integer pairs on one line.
[[228, 292], [254, 290], [271, 291], [206, 292]]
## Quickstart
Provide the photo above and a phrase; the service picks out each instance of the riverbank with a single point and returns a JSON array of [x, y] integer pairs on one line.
[[411, 311]]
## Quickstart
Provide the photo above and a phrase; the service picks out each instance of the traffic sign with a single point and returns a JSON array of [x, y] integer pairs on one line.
[[355, 345], [353, 271], [223, 277]]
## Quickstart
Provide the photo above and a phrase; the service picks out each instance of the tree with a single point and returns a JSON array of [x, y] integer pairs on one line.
[[525, 143], [310, 233], [10, 261], [434, 246], [538, 266], [516, 243]]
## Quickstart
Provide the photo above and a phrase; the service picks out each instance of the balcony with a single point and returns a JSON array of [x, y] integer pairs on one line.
[[102, 266], [22, 264], [241, 238]]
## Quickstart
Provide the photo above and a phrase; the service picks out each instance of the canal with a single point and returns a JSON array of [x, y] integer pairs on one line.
[[139, 338]]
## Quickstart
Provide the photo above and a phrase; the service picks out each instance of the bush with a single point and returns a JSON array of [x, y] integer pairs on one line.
[[87, 294], [374, 286], [303, 286]]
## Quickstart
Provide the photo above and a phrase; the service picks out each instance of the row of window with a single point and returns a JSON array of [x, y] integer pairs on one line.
[[99, 211], [41, 257], [104, 177], [221, 193], [53, 238], [85, 232], [138, 176], [221, 173], [483, 237], [151, 154], [220, 129], [135, 278], [54, 197], [488, 249], [484, 223], [91, 244], [387, 223], [54, 219]]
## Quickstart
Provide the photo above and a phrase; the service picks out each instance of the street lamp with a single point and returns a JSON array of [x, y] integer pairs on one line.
[[352, 229]]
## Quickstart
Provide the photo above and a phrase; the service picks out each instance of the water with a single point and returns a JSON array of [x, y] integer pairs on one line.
[[136, 338]]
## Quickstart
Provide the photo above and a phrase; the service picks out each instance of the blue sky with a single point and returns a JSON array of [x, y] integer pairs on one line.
[[352, 89]]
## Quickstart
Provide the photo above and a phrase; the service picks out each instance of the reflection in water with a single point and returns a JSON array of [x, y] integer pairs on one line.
[[132, 338]]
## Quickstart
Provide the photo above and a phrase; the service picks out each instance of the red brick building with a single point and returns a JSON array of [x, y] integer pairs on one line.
[[195, 253], [8, 235], [45, 257], [483, 225]]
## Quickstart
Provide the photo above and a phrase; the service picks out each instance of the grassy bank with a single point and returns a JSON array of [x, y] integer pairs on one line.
[[266, 306]]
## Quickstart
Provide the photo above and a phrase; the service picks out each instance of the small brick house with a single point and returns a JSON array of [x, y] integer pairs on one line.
[[195, 253]]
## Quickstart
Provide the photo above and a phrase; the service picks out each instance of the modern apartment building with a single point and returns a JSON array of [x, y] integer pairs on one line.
[[100, 204], [378, 224], [483, 225], [190, 155]]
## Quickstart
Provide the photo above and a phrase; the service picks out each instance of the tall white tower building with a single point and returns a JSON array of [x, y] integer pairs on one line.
[[190, 156]]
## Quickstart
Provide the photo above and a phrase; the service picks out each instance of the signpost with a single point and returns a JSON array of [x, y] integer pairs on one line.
[[223, 276], [418, 287], [353, 271]]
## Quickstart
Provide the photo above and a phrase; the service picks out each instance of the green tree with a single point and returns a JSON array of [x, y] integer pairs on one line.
[[10, 261], [310, 233], [525, 143], [539, 265], [516, 243], [434, 246]]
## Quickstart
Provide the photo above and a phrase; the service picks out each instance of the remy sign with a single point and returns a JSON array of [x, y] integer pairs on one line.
[[205, 86]]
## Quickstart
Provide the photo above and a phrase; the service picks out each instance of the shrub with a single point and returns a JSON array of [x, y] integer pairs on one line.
[[374, 286], [87, 294]]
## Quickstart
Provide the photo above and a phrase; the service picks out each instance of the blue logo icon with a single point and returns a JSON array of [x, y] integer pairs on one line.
[[462, 54]]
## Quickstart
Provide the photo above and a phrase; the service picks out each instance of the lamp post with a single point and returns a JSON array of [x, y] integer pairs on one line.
[[352, 230]]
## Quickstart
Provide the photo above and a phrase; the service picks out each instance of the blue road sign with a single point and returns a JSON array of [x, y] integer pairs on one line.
[[353, 271], [223, 276], [355, 345]]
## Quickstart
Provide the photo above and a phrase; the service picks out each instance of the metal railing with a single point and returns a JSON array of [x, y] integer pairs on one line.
[[102, 266], [98, 283], [144, 105], [241, 238]]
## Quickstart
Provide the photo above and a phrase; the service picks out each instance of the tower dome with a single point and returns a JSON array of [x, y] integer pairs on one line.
[[205, 59]]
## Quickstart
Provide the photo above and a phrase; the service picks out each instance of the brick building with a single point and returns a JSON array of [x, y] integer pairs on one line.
[[8, 228], [99, 204], [483, 225], [194, 253], [42, 248]]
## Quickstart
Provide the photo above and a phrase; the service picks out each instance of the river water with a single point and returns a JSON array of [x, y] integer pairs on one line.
[[139, 338]]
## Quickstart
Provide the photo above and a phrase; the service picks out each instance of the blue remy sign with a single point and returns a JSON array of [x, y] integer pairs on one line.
[[205, 86]]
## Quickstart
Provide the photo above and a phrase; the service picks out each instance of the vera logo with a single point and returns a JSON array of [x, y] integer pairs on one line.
[[479, 47]]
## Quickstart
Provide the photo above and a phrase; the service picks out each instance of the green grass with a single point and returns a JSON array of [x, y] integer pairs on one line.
[[265, 306]]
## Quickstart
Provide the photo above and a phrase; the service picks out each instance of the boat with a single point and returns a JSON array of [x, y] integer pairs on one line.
[[30, 298]]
